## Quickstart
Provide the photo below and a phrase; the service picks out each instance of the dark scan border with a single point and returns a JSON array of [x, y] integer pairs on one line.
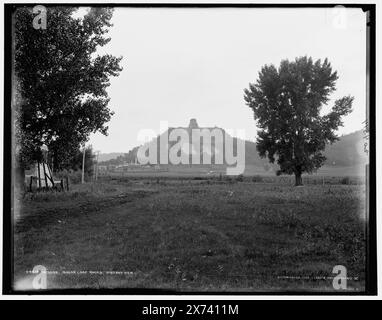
[[371, 251]]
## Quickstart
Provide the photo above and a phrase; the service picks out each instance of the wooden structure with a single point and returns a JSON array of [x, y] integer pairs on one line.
[[41, 176], [42, 179]]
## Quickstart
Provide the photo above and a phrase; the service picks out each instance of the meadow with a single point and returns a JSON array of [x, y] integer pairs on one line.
[[193, 234]]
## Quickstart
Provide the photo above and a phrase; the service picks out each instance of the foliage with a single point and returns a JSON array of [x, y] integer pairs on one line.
[[74, 163], [61, 80], [287, 106]]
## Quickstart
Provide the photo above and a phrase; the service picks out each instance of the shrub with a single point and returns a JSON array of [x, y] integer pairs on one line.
[[228, 179], [257, 179], [240, 178]]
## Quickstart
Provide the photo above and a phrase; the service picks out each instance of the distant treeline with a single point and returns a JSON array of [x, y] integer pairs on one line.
[[346, 152]]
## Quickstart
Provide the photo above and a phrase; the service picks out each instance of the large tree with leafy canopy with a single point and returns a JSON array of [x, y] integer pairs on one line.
[[61, 81], [287, 103]]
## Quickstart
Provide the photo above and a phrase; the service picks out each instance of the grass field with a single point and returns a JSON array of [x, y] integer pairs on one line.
[[192, 234]]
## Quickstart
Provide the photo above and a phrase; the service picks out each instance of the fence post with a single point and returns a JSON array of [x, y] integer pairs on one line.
[[83, 166]]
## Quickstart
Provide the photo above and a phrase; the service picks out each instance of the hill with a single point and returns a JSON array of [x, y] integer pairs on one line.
[[346, 152], [104, 157]]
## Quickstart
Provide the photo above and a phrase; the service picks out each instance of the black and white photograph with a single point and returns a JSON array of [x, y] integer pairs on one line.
[[189, 149]]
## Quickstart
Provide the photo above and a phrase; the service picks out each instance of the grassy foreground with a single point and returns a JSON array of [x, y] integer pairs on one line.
[[192, 235]]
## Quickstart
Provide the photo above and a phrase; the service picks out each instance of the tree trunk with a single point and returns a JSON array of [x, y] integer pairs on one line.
[[298, 179], [19, 178]]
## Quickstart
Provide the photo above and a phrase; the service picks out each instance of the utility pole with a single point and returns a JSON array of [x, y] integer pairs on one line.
[[96, 167], [83, 166]]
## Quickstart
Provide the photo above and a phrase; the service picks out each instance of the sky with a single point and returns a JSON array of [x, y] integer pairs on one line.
[[181, 63]]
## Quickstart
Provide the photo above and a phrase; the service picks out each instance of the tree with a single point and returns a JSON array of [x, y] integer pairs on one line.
[[61, 81], [75, 161], [287, 106]]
